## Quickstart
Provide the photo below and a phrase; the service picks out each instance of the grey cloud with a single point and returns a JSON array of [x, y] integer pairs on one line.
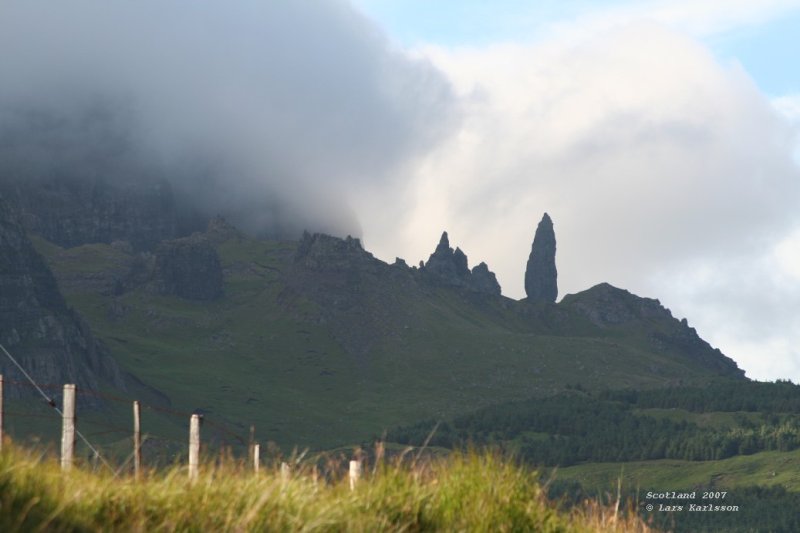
[[268, 111]]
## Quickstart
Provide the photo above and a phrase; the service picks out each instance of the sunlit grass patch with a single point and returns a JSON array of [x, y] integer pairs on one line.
[[462, 492]]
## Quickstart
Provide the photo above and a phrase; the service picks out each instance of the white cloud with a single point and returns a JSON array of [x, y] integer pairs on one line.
[[789, 106], [655, 161], [786, 257], [746, 305]]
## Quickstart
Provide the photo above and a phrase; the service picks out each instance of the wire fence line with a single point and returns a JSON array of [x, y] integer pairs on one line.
[[96, 425], [220, 427], [94, 428]]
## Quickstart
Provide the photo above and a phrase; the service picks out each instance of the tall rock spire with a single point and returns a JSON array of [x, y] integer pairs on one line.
[[540, 275]]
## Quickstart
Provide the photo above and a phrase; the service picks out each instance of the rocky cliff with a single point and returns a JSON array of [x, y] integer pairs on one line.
[[354, 294], [78, 176], [609, 307], [49, 339], [189, 268], [70, 211]]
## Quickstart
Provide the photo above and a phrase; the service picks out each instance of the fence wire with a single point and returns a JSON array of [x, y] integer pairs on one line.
[[98, 428]]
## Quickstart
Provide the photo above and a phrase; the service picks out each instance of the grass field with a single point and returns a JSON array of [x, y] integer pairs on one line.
[[473, 492]]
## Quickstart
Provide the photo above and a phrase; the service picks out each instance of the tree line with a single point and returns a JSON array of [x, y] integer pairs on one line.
[[577, 426], [781, 396]]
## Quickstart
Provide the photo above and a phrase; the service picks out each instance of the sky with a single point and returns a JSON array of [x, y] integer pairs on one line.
[[663, 138]]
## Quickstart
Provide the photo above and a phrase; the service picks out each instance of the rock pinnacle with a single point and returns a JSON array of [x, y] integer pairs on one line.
[[540, 274]]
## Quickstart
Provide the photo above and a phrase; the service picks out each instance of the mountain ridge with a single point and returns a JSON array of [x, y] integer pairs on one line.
[[314, 332], [320, 343]]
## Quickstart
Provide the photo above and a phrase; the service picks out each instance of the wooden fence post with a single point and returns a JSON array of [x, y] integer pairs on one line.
[[68, 427], [355, 473], [285, 472], [256, 457], [194, 446], [1, 411], [137, 440]]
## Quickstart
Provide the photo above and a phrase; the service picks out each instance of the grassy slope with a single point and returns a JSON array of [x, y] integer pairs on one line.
[[254, 357]]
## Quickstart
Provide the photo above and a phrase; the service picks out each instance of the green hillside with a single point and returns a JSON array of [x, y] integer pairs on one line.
[[319, 344]]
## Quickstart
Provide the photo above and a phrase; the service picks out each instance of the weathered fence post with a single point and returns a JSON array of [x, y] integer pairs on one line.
[[137, 441], [194, 446], [355, 473], [284, 472], [256, 457], [1, 411], [68, 427]]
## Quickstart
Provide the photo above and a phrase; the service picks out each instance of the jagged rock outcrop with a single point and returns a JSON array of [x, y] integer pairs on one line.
[[219, 230], [325, 252], [450, 267], [608, 307], [48, 338], [541, 275], [353, 293], [484, 280], [189, 268]]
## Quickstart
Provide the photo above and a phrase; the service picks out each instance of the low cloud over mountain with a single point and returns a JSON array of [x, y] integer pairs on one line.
[[269, 112]]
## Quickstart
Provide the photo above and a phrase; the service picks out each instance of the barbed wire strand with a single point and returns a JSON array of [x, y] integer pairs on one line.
[[220, 428], [19, 414], [45, 386], [120, 399]]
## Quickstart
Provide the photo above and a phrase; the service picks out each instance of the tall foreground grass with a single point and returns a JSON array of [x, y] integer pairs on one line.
[[468, 492]]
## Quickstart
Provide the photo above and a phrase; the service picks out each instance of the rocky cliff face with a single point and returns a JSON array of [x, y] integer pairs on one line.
[[70, 211], [325, 252], [189, 268], [49, 339], [609, 307], [353, 293], [484, 280], [78, 176], [450, 268], [540, 274]]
